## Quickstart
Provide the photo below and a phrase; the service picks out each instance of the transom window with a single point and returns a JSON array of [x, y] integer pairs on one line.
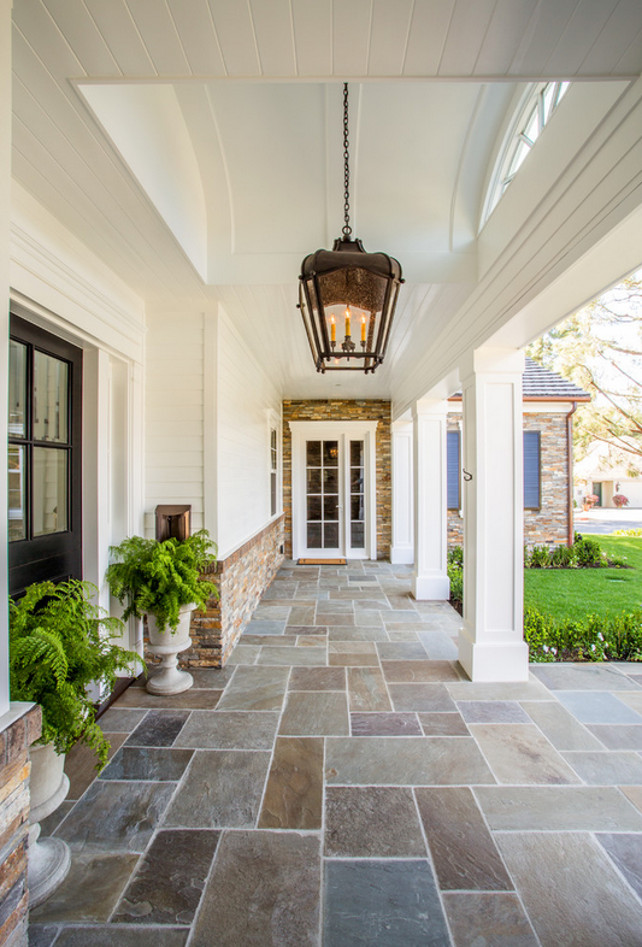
[[534, 112]]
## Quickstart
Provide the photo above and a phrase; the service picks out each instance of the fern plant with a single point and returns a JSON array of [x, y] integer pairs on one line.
[[59, 643], [158, 578]]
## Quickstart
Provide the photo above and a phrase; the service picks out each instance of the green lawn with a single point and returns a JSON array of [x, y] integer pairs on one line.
[[574, 593]]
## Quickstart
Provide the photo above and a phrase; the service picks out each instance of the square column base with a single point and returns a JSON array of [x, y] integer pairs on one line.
[[493, 663], [431, 588]]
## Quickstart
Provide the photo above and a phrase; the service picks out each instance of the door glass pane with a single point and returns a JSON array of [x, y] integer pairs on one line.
[[356, 507], [356, 453], [330, 535], [314, 535], [313, 454], [357, 535], [17, 524], [314, 480], [331, 481], [357, 497], [314, 508], [356, 479], [17, 388], [330, 453], [331, 507], [50, 398], [49, 490]]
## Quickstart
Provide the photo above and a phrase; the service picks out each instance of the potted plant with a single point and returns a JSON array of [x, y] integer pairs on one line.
[[60, 642], [620, 500], [589, 501], [162, 582]]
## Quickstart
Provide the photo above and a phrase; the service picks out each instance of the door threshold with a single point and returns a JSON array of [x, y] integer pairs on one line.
[[322, 562]]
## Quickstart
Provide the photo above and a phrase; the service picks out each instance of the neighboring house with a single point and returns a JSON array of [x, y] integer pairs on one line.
[[606, 471], [549, 404]]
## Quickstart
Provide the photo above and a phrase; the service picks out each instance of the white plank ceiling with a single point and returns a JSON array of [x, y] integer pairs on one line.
[[223, 201]]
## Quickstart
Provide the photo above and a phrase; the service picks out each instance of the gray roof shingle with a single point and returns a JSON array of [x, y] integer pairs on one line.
[[539, 382]]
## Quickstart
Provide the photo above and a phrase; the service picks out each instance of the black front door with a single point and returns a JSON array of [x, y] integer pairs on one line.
[[45, 460]]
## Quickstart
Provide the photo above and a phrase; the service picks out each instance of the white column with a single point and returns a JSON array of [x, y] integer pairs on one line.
[[5, 219], [430, 579], [403, 547], [491, 645]]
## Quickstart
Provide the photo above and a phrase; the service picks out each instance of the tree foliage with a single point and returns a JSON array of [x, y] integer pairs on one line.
[[600, 349]]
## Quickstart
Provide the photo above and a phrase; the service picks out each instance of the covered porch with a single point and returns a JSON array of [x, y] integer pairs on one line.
[[342, 782]]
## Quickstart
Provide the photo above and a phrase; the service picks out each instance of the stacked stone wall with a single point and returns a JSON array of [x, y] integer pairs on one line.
[[241, 580], [341, 410], [15, 767]]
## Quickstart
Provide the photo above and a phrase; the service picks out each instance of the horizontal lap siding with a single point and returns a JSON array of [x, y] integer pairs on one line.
[[174, 414]]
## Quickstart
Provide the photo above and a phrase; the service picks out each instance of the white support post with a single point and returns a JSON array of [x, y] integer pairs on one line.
[[403, 547], [430, 579], [491, 643]]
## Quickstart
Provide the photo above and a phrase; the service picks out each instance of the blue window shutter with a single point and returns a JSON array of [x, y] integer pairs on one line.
[[453, 469], [532, 466]]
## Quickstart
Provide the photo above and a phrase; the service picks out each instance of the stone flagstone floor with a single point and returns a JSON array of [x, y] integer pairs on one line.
[[342, 783]]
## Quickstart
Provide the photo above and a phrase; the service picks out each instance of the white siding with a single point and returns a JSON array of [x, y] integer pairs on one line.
[[245, 397], [174, 414]]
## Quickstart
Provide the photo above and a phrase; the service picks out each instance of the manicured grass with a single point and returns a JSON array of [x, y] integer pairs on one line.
[[575, 593]]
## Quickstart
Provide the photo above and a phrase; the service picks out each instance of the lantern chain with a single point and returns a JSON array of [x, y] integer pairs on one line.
[[347, 229]]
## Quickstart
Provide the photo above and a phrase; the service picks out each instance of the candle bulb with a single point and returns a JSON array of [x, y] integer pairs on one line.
[[333, 330], [363, 328], [348, 322]]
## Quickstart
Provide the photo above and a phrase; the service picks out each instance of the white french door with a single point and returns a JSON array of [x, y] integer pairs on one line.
[[333, 490]]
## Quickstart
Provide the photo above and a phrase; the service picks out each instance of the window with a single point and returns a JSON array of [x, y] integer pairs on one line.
[[274, 471], [532, 467], [44, 457], [534, 112], [453, 475]]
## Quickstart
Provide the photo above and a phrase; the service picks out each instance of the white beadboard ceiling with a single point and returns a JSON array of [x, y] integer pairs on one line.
[[195, 145]]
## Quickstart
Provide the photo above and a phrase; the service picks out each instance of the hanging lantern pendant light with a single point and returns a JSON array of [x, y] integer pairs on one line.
[[347, 288]]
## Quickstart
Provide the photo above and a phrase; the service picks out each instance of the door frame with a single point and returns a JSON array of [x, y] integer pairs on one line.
[[302, 431]]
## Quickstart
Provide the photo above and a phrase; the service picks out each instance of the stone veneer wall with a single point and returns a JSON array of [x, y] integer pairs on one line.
[[241, 579], [549, 524], [331, 410], [15, 767]]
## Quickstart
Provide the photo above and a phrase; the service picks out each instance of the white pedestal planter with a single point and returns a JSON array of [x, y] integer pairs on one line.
[[167, 644], [49, 858]]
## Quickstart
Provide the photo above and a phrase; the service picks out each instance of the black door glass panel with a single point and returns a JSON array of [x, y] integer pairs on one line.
[[17, 388], [357, 535], [330, 453], [356, 479], [314, 536], [331, 507], [331, 481], [314, 508], [49, 491], [357, 507], [50, 398], [313, 476], [356, 453], [313, 454], [16, 484], [330, 535]]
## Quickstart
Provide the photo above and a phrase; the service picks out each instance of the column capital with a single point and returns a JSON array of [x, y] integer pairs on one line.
[[491, 361], [430, 407]]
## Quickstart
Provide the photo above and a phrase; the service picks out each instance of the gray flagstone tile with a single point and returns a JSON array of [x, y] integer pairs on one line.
[[365, 647], [384, 725], [292, 656], [462, 848], [317, 679], [614, 768], [244, 654], [121, 720], [158, 728], [443, 724], [518, 753], [264, 626], [488, 920], [317, 713], [255, 688], [147, 763], [294, 792], [193, 699], [229, 730], [90, 891], [426, 671], [634, 700], [42, 935], [367, 689], [353, 659], [402, 651], [583, 677], [264, 889], [558, 808], [117, 816], [345, 633], [387, 903], [559, 726], [528, 690], [492, 711], [626, 853], [168, 885], [618, 736], [597, 707], [222, 788], [212, 678], [634, 793], [421, 697], [571, 891], [403, 634], [372, 822], [439, 645], [124, 936], [411, 761]]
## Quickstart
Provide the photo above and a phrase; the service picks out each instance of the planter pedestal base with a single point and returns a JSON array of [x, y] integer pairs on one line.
[[49, 863], [49, 859], [169, 678]]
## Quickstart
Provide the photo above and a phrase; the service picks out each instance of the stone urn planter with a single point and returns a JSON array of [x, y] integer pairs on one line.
[[49, 858], [168, 644]]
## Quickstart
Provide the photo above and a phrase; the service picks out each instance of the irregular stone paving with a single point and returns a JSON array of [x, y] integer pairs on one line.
[[341, 782]]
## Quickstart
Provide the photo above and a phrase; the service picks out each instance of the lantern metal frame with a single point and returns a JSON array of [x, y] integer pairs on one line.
[[349, 278]]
